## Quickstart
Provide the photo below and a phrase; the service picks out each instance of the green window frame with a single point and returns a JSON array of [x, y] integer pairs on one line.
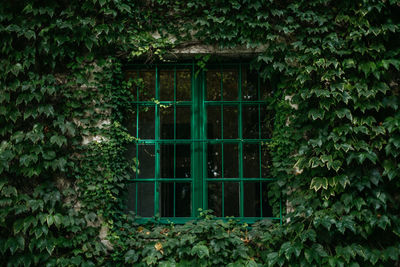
[[186, 150]]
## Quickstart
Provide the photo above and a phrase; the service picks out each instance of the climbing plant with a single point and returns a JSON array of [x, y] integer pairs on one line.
[[335, 149]]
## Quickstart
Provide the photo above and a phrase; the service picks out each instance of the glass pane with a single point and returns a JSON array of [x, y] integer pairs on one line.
[[250, 121], [145, 199], [146, 159], [214, 160], [147, 91], [183, 161], [251, 202], [214, 122], [231, 161], [166, 85], [265, 89], [131, 197], [183, 85], [167, 122], [230, 85], [231, 122], [249, 84], [183, 200], [146, 122], [215, 198], [266, 162], [267, 122], [183, 120], [251, 161], [231, 199], [213, 78], [167, 161], [266, 208], [166, 199]]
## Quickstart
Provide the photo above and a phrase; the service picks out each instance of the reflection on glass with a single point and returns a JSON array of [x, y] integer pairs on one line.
[[146, 159], [214, 122], [183, 161], [266, 208], [253, 197], [166, 85], [265, 162], [183, 203], [231, 160], [250, 121], [183, 119], [167, 199], [265, 89], [251, 201], [215, 198], [146, 122], [183, 85], [167, 161], [213, 79], [231, 122], [249, 84], [145, 199], [214, 160], [251, 161], [230, 85], [176, 195], [231, 199], [167, 122], [149, 82], [267, 121]]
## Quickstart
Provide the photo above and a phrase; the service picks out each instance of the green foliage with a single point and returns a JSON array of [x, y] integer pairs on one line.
[[336, 136]]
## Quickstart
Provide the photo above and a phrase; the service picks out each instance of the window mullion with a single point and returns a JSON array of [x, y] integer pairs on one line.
[[222, 144], [157, 146], [174, 207], [137, 145], [197, 147], [241, 189], [259, 145], [203, 136]]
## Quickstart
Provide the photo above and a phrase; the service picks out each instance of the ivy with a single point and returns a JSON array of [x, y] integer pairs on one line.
[[336, 139]]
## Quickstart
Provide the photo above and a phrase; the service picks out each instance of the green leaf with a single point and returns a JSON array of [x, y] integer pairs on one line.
[[272, 258], [341, 113], [59, 140], [131, 256], [200, 251], [316, 114], [319, 182]]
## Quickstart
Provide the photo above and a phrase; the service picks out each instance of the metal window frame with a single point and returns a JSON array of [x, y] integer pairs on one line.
[[198, 141]]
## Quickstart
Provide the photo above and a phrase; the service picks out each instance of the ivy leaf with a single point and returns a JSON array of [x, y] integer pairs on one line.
[[59, 140], [200, 250], [131, 256], [319, 182], [30, 34], [272, 258], [341, 113], [316, 114], [49, 155]]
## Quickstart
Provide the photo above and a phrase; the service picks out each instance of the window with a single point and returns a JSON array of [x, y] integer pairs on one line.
[[202, 142]]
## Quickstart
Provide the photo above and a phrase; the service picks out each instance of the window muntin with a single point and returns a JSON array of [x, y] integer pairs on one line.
[[201, 136]]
